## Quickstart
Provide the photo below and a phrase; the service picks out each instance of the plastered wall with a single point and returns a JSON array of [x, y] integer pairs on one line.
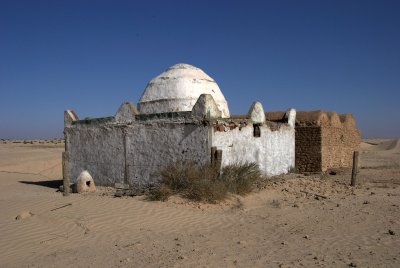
[[273, 150], [97, 149], [154, 146], [148, 147]]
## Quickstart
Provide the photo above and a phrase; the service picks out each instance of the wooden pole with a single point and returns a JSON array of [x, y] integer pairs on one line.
[[66, 181], [355, 169], [213, 155], [126, 171], [218, 160]]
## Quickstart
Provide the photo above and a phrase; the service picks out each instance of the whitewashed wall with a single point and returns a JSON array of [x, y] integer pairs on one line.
[[136, 153], [149, 147], [154, 146], [97, 149], [274, 151]]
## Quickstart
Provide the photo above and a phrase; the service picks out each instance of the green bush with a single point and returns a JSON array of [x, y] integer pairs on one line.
[[204, 183]]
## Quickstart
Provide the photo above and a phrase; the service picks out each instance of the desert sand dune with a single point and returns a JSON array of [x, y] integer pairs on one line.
[[290, 221], [380, 153], [381, 145]]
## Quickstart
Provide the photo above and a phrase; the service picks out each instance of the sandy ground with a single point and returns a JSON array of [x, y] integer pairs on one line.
[[284, 224]]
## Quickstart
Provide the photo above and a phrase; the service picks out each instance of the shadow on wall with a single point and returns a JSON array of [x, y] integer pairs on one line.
[[54, 184]]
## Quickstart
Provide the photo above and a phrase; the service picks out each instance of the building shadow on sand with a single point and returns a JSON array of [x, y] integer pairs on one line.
[[54, 184]]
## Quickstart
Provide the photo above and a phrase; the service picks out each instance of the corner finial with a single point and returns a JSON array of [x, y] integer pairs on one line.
[[126, 113], [290, 116], [256, 113], [69, 117], [206, 108]]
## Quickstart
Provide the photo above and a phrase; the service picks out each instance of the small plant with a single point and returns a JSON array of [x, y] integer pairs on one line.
[[239, 178], [159, 193], [204, 183], [177, 175], [294, 170], [205, 190], [194, 182], [324, 175]]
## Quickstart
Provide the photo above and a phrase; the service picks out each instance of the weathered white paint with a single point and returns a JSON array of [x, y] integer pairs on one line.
[[205, 108], [133, 148], [97, 148], [273, 151], [126, 113], [280, 147], [85, 183], [256, 113], [135, 153], [290, 116], [69, 117], [151, 147], [177, 89]]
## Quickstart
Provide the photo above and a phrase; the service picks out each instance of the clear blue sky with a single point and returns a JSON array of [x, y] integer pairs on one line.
[[91, 56]]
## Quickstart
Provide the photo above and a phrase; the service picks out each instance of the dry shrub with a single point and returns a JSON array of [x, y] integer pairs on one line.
[[176, 176], [204, 183], [206, 190], [239, 178], [194, 182], [159, 193], [294, 170]]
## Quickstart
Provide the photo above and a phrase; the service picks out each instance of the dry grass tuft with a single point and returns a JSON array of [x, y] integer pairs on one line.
[[239, 178], [159, 193], [204, 183]]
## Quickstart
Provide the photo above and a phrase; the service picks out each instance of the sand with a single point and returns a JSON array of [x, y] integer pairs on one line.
[[291, 221]]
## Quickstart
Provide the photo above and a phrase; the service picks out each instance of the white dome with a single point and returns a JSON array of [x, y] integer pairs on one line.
[[177, 89]]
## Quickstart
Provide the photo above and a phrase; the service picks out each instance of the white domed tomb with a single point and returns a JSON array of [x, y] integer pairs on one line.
[[181, 116], [177, 90]]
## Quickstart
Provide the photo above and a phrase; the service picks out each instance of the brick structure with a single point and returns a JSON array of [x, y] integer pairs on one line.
[[324, 140]]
